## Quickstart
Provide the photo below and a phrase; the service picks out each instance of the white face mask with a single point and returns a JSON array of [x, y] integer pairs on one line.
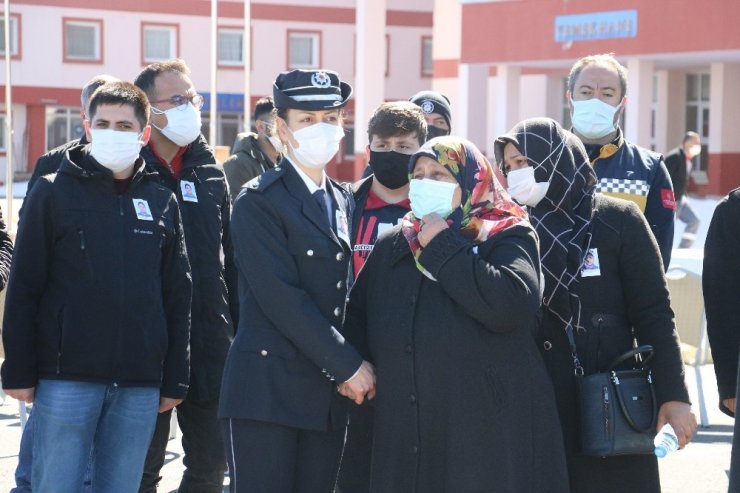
[[429, 196], [183, 123], [317, 144], [114, 149], [694, 151], [524, 189], [593, 118]]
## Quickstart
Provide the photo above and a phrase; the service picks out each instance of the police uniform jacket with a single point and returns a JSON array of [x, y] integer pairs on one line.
[[289, 351], [630, 172]]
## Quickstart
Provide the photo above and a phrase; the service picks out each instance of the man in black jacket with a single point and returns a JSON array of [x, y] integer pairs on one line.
[[96, 322], [186, 165], [721, 286], [679, 163]]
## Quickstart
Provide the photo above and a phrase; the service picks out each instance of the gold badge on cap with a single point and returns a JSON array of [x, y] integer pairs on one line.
[[320, 79]]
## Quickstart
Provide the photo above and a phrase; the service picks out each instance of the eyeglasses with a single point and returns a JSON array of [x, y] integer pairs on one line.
[[179, 100]]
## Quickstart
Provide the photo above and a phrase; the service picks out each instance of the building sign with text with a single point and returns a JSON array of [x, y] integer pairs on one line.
[[596, 25]]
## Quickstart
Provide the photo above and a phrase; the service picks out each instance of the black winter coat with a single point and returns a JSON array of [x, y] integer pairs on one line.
[[293, 272], [463, 400], [628, 300], [675, 161], [96, 293], [207, 226]]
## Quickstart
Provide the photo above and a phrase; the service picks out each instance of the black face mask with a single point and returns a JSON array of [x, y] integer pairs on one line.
[[391, 168], [433, 132]]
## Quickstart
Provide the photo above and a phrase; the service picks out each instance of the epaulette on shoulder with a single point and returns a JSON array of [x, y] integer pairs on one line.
[[263, 181], [734, 195]]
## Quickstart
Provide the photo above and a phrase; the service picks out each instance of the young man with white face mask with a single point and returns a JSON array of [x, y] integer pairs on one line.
[[254, 152], [597, 88], [282, 415], [185, 164], [99, 304]]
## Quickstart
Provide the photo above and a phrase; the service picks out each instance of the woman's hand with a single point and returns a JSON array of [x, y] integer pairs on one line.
[[431, 225], [683, 421]]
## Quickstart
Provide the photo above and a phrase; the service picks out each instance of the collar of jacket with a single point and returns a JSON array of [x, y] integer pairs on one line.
[[197, 153], [79, 163], [610, 149]]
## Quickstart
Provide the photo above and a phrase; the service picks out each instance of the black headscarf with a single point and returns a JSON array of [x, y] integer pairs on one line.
[[563, 218]]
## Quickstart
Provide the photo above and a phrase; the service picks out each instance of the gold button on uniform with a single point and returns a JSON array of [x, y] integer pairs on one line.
[[340, 257], [337, 311], [263, 352], [340, 285], [309, 253]]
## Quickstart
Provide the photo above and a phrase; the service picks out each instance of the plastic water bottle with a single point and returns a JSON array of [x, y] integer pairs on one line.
[[665, 441]]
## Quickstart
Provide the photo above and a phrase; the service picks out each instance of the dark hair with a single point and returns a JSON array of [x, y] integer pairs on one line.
[[263, 106], [92, 85], [603, 59], [147, 77], [121, 93], [397, 118], [690, 136]]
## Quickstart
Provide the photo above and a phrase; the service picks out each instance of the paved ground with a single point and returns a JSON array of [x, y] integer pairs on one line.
[[700, 468]]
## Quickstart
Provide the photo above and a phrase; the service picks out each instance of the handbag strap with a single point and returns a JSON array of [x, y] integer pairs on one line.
[[623, 407], [641, 350], [577, 368]]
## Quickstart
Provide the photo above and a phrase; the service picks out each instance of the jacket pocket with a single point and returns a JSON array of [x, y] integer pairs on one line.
[[267, 343]]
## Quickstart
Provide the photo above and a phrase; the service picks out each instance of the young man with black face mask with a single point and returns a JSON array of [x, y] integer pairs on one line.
[[395, 131]]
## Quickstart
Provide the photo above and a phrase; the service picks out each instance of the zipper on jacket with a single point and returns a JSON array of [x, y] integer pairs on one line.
[[82, 238], [120, 205]]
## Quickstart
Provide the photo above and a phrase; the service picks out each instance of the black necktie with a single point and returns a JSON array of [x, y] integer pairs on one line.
[[320, 196]]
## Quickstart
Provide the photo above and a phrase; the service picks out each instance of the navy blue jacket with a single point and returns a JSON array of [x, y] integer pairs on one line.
[[96, 293]]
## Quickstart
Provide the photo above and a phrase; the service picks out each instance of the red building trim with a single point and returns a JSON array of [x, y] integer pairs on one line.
[[259, 11], [505, 43], [36, 132], [408, 18], [101, 41], [446, 68], [723, 172], [43, 95], [287, 46], [143, 27]]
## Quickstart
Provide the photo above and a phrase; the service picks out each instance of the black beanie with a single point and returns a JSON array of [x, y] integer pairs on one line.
[[433, 102]]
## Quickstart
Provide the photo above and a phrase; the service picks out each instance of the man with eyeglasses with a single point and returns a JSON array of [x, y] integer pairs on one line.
[[254, 153], [186, 164]]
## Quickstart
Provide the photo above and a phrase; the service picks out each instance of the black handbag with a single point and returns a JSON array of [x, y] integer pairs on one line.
[[618, 409]]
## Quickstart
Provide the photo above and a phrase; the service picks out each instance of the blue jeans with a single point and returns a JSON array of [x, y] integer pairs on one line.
[[23, 471], [73, 419]]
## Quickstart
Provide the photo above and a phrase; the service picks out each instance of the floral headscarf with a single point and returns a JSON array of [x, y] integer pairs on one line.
[[485, 208], [563, 218]]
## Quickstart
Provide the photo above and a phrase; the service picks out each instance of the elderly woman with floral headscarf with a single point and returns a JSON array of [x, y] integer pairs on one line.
[[604, 280], [445, 308]]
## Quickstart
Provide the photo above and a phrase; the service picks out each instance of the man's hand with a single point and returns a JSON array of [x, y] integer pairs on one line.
[[729, 404], [683, 421], [166, 403], [361, 385], [25, 395], [431, 225]]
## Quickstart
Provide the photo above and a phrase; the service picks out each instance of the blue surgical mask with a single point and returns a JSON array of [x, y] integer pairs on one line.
[[429, 196]]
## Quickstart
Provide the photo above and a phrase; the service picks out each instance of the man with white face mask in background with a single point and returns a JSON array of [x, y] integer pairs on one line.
[[254, 153], [97, 320], [680, 163], [283, 418], [185, 164], [597, 88]]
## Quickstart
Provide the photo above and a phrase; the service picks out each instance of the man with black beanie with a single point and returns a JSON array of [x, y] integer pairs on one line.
[[436, 109]]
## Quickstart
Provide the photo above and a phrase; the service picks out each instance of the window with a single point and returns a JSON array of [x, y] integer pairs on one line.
[[62, 125], [304, 50], [565, 115], [427, 68], [82, 40], [14, 38], [228, 125], [230, 46], [697, 113], [159, 42]]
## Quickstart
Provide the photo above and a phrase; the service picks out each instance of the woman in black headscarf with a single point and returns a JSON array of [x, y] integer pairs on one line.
[[446, 308], [604, 279]]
